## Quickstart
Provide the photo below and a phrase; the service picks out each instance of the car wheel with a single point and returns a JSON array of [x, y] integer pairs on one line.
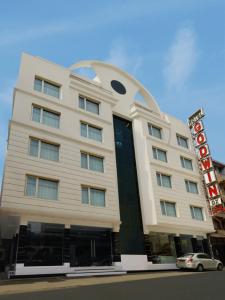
[[200, 268], [220, 267]]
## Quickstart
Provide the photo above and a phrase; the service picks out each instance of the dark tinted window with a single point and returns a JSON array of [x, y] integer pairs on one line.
[[41, 244], [205, 256], [118, 87]]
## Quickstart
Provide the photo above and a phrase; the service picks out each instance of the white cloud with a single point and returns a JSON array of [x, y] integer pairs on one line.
[[88, 22], [120, 57], [181, 58]]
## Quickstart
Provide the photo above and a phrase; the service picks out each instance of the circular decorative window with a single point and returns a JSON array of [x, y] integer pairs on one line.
[[118, 87]]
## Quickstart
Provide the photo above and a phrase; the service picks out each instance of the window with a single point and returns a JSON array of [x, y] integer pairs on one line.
[[162, 247], [182, 141], [92, 162], [92, 196], [186, 163], [46, 117], [91, 132], [196, 213], [168, 208], [191, 187], [164, 180], [204, 256], [155, 131], [159, 154], [46, 87], [41, 188], [43, 150], [89, 105]]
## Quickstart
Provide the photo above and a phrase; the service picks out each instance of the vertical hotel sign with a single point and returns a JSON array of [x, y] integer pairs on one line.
[[205, 162]]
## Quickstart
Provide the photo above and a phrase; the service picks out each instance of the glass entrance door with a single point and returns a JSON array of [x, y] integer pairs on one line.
[[90, 247]]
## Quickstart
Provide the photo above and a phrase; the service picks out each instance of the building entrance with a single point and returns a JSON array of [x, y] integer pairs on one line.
[[90, 247]]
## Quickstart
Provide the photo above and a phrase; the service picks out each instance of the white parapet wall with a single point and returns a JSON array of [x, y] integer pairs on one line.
[[134, 262]]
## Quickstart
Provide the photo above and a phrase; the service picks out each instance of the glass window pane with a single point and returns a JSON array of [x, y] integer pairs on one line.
[[95, 163], [33, 151], [47, 189], [182, 141], [97, 197], [154, 153], [188, 164], [193, 187], [156, 132], [182, 162], [198, 214], [162, 204], [170, 209], [51, 119], [192, 212], [187, 186], [36, 114], [51, 89], [38, 84], [162, 155], [95, 133], [84, 161], [83, 129], [85, 199], [31, 186], [162, 248], [49, 151], [166, 181], [158, 176], [81, 102], [92, 107]]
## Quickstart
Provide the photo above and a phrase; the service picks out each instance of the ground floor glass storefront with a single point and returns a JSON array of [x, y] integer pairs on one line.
[[166, 247], [45, 244], [162, 248]]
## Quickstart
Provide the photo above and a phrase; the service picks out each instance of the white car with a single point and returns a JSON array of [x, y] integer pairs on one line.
[[198, 262]]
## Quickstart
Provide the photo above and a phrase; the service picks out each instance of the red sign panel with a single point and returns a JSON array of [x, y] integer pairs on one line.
[[205, 162]]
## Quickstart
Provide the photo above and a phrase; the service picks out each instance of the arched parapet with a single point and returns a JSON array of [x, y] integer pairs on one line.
[[124, 87]]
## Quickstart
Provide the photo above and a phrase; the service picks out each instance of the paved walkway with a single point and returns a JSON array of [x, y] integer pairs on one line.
[[27, 285]]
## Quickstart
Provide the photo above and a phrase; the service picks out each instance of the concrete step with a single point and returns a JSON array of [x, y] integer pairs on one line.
[[90, 274], [84, 270]]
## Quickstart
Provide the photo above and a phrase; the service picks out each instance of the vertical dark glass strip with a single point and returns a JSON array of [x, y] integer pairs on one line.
[[131, 230]]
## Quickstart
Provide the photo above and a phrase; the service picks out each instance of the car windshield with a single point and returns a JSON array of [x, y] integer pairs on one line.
[[188, 255]]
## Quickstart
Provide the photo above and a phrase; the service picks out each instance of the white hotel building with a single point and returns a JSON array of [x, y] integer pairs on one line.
[[95, 179]]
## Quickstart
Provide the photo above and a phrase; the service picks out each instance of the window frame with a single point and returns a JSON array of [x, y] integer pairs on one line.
[[164, 202], [162, 174], [88, 161], [37, 178], [89, 195], [183, 159], [43, 81], [179, 136], [157, 155], [85, 104], [192, 209], [40, 141], [150, 126], [187, 186], [93, 126], [42, 109]]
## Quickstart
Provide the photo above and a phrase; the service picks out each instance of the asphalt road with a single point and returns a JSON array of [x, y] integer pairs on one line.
[[203, 286]]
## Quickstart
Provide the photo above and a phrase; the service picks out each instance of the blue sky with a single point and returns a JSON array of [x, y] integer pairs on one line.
[[175, 48]]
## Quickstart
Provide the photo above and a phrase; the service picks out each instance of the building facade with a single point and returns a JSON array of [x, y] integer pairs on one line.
[[217, 238], [96, 175]]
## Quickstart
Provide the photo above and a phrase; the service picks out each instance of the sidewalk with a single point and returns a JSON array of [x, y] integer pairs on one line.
[[26, 285]]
